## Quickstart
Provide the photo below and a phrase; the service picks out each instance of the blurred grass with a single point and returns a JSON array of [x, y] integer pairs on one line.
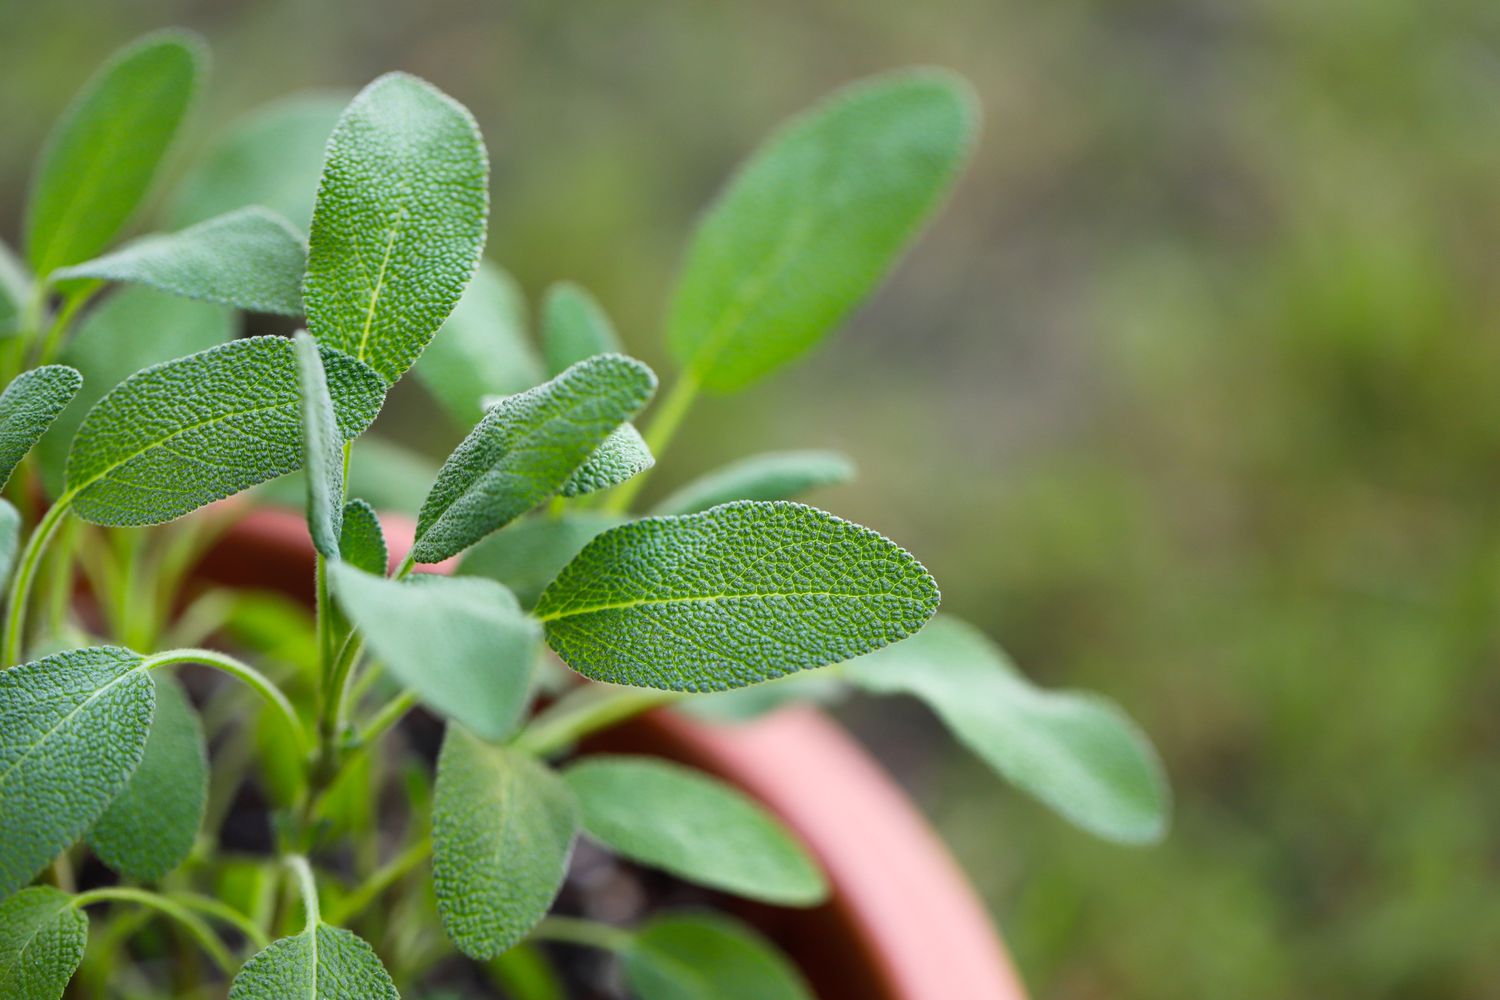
[[1190, 397]]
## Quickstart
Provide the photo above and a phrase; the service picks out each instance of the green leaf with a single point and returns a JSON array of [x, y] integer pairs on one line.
[[73, 727], [27, 408], [462, 644], [482, 349], [15, 291], [708, 957], [525, 449], [736, 595], [574, 327], [42, 939], [321, 963], [1078, 753], [399, 222], [272, 158], [322, 448], [10, 539], [623, 455], [682, 821], [150, 827], [778, 475], [813, 222], [183, 434], [362, 542], [503, 829], [529, 554], [249, 258], [101, 157]]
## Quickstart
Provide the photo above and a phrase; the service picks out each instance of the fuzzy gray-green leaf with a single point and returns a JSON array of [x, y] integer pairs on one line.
[[101, 157], [361, 540], [503, 829], [735, 595], [73, 727], [623, 455], [323, 450], [399, 222], [27, 408], [42, 938], [777, 475], [321, 963], [529, 554], [707, 956], [813, 221], [1078, 753], [682, 821], [462, 644], [574, 327], [525, 449], [150, 827], [249, 258], [183, 434]]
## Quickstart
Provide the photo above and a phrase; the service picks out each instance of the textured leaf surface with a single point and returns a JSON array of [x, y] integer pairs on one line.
[[399, 222], [272, 157], [462, 644], [682, 821], [101, 157], [10, 539], [482, 349], [183, 434], [150, 827], [42, 938], [362, 541], [27, 408], [323, 450], [574, 327], [1078, 753], [623, 455], [813, 221], [321, 963], [708, 957], [249, 258], [503, 828], [780, 475], [529, 554], [733, 596], [73, 727], [525, 449]]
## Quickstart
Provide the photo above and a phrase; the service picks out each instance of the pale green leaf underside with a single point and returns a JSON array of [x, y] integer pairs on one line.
[[323, 449], [1078, 753], [42, 938], [707, 956], [623, 455], [102, 155], [10, 539], [362, 541], [682, 821], [503, 829], [529, 554], [462, 644], [778, 475], [27, 408], [574, 327], [73, 727], [525, 449], [185, 433], [249, 258], [733, 596], [813, 221], [321, 963], [399, 222], [150, 827]]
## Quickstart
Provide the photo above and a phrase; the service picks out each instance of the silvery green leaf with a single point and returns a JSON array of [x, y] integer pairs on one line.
[[623, 455], [529, 554], [707, 956], [1078, 753], [27, 408], [250, 258], [321, 963], [399, 222], [361, 541], [42, 939], [735, 595], [574, 327], [777, 475], [323, 450]]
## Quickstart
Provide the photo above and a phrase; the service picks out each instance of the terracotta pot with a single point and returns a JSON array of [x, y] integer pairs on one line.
[[902, 922]]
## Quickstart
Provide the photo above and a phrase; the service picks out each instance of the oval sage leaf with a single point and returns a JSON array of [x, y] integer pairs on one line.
[[321, 963], [362, 541], [708, 957], [574, 327], [777, 475], [27, 408], [42, 938], [736, 595]]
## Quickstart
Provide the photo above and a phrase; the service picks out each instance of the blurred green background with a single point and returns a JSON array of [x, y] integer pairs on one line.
[[1192, 396]]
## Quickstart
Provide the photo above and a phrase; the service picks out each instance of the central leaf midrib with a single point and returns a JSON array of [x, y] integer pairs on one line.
[[711, 598]]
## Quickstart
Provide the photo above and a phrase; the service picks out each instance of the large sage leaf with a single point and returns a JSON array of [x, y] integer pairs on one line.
[[150, 827], [183, 434], [249, 258], [399, 222], [705, 956], [321, 963], [502, 832], [73, 727], [777, 475], [27, 408], [529, 554], [813, 221], [462, 644], [323, 450], [736, 595], [102, 155], [682, 821], [525, 449], [574, 327], [42, 938], [1078, 753], [623, 455]]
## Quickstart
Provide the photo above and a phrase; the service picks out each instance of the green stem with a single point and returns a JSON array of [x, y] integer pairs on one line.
[[308, 887], [387, 716], [585, 711], [243, 671], [665, 421], [376, 885], [200, 931], [224, 913], [20, 588], [589, 933]]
